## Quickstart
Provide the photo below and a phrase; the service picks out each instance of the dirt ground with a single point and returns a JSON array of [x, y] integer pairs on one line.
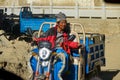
[[14, 54]]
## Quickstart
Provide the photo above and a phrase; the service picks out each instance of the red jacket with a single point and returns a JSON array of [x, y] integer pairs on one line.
[[50, 36]]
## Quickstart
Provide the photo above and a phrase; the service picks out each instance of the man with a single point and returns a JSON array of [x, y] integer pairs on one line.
[[60, 43], [58, 35]]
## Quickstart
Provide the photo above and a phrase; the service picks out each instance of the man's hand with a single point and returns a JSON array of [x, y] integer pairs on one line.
[[81, 46], [33, 43]]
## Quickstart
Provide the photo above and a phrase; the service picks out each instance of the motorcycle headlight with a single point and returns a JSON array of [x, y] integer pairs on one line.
[[45, 63], [44, 53]]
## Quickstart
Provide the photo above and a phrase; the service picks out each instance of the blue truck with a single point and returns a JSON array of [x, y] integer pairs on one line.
[[84, 63], [25, 21], [33, 21]]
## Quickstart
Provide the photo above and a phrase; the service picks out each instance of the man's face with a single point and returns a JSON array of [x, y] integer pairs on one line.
[[62, 24]]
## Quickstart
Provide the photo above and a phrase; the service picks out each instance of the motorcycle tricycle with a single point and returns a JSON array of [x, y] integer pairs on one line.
[[55, 64]]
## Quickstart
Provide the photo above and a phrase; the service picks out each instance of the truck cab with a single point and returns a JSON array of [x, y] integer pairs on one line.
[[28, 20]]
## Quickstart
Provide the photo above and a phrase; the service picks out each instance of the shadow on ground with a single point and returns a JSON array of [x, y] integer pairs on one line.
[[5, 75], [109, 74]]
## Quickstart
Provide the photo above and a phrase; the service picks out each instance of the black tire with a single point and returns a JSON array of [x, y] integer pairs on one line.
[[97, 70], [95, 74]]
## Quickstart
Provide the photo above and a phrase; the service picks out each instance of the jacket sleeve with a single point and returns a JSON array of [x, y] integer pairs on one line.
[[73, 45], [47, 36]]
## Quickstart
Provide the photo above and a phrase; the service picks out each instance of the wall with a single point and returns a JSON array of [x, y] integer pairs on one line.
[[108, 27], [82, 3]]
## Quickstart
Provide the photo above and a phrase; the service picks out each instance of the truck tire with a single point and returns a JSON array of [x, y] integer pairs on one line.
[[95, 73], [97, 70]]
